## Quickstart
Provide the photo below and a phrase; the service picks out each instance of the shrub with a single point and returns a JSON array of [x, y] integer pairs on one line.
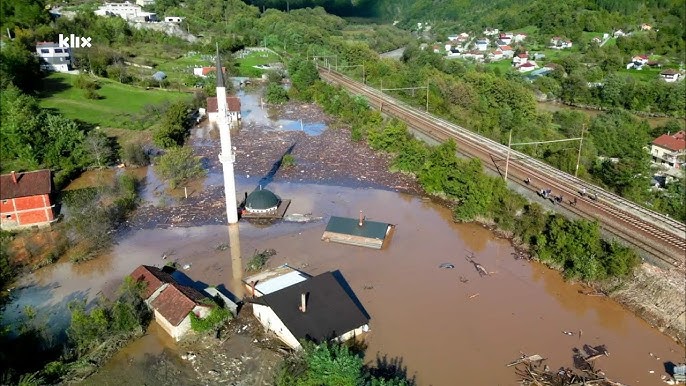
[[288, 161], [217, 316], [276, 94], [179, 165], [259, 259], [134, 154]]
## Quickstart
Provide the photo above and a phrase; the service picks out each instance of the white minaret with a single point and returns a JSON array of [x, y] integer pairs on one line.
[[227, 156]]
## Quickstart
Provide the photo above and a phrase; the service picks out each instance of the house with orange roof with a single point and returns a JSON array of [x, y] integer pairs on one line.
[[669, 150]]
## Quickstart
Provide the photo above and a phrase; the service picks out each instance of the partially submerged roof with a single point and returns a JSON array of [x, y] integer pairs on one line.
[[176, 301], [261, 199], [351, 226], [153, 277], [28, 184], [275, 279], [330, 311]]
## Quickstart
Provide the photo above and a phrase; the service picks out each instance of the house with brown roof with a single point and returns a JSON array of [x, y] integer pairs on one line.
[[317, 309], [669, 150], [670, 75], [234, 105], [25, 199], [171, 302]]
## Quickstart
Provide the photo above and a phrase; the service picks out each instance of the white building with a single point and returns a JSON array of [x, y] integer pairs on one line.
[[173, 19], [670, 75], [317, 309], [143, 3], [234, 105], [126, 11], [53, 57]]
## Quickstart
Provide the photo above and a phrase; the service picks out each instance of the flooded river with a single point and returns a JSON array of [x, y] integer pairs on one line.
[[448, 326]]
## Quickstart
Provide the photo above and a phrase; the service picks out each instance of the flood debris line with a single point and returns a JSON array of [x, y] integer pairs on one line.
[[532, 370]]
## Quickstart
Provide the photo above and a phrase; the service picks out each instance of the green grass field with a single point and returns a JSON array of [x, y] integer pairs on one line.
[[504, 65], [118, 103], [245, 65], [645, 74]]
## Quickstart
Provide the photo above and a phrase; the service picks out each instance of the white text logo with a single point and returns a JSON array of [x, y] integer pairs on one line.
[[74, 41]]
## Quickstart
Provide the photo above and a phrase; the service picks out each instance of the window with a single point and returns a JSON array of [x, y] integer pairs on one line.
[[8, 216], [44, 51], [58, 50]]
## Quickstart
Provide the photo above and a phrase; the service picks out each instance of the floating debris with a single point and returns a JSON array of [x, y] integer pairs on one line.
[[446, 266]]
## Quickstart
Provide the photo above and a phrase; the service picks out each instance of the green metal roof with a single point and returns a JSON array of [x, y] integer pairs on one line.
[[350, 226], [261, 199]]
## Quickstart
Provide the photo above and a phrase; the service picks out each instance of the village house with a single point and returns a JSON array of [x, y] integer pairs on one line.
[[559, 43], [52, 57], [669, 150], [508, 52], [670, 75], [316, 309], [234, 105], [481, 44], [26, 199], [173, 19], [597, 40], [519, 37], [126, 11], [203, 72], [619, 33], [506, 38], [642, 59], [520, 59], [527, 66], [495, 55], [273, 280], [491, 31], [171, 302]]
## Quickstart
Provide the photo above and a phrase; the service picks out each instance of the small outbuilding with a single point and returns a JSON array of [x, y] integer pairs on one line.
[[360, 232], [159, 76], [263, 203], [272, 280]]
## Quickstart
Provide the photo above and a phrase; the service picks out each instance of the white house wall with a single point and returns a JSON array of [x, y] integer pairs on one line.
[[271, 322]]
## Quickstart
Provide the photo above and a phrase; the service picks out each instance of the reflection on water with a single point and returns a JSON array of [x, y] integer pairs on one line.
[[236, 262]]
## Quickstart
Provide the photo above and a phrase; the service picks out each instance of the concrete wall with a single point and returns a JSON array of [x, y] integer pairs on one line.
[[26, 211]]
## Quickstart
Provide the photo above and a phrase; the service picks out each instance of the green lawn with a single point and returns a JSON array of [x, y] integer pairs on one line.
[[645, 74], [179, 69], [245, 65], [504, 65], [118, 103]]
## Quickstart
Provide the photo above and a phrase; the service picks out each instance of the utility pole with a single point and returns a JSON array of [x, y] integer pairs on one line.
[[427, 96], [578, 157], [507, 160]]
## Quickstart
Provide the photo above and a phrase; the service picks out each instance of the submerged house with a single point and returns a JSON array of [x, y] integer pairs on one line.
[[273, 280], [316, 309], [360, 232], [171, 302]]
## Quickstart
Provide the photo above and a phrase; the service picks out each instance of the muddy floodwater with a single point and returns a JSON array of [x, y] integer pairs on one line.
[[447, 326]]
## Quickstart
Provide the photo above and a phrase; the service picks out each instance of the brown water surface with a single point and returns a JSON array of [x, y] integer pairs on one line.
[[448, 326]]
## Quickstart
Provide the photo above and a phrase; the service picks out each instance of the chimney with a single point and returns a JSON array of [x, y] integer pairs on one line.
[[303, 302], [361, 219], [14, 176]]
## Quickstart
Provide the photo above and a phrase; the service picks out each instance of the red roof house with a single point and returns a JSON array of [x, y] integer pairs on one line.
[[170, 301], [25, 199], [234, 105], [670, 150]]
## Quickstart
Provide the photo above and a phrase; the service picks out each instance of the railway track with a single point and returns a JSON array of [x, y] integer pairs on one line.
[[657, 235]]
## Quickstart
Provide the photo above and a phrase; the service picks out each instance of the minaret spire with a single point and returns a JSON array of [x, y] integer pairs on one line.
[[220, 73], [226, 157]]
